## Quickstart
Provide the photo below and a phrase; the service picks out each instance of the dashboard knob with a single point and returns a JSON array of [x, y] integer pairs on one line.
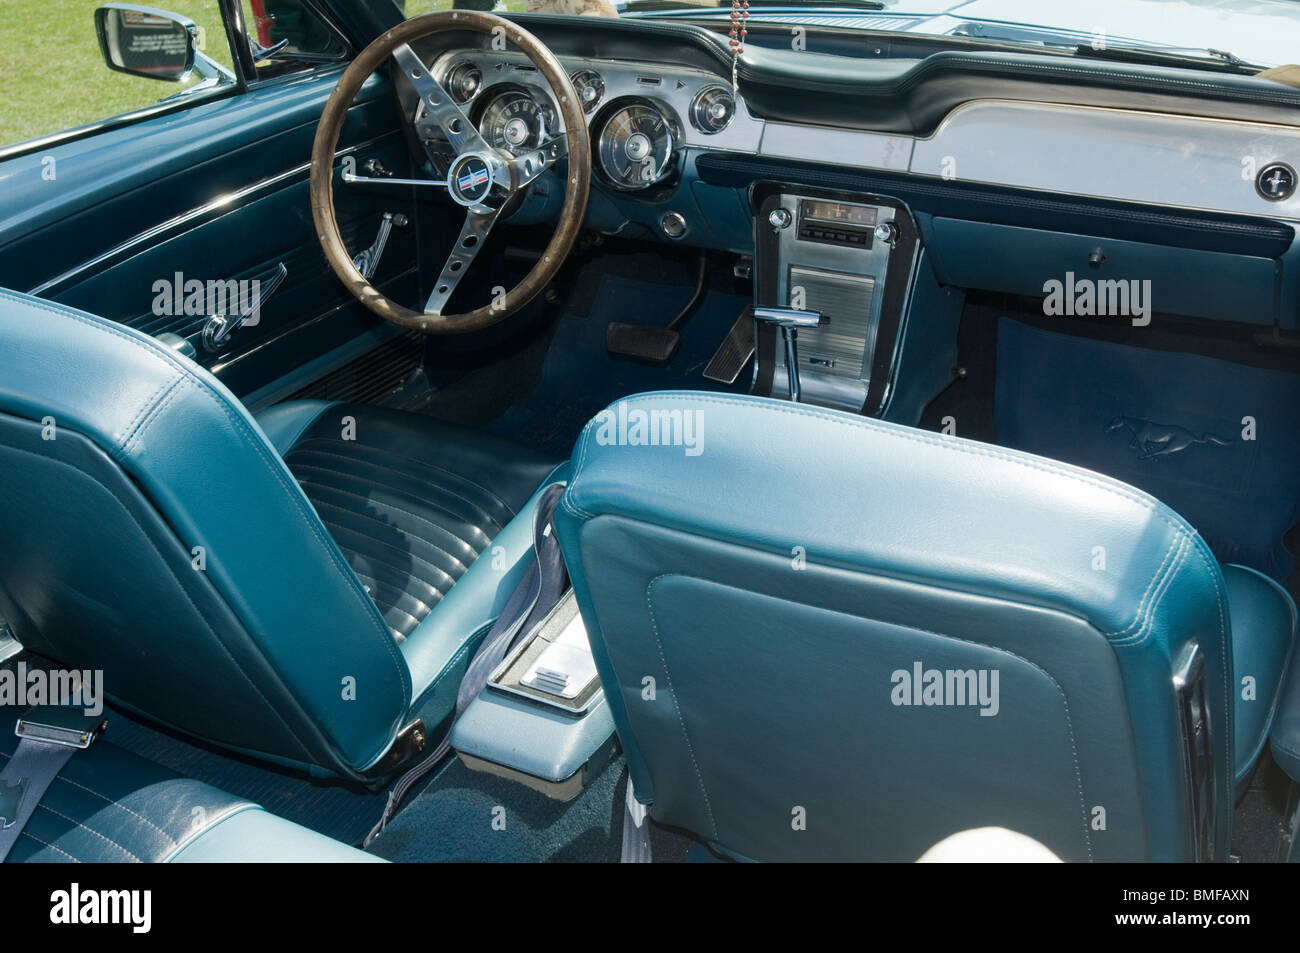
[[779, 218], [673, 224], [886, 233]]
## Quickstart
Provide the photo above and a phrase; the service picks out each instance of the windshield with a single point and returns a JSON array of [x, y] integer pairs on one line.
[[1253, 34]]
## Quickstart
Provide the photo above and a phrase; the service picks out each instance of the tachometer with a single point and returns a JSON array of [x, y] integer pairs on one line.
[[636, 146], [515, 123]]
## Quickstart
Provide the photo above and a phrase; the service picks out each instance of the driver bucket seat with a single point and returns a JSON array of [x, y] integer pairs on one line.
[[305, 587], [827, 637]]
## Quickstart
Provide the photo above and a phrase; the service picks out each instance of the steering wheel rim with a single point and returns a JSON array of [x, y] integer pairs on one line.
[[438, 105]]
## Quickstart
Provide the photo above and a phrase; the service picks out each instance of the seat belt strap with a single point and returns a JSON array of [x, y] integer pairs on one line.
[[537, 593], [50, 736], [636, 830]]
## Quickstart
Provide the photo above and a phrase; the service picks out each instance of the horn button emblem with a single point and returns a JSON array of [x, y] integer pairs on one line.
[[470, 179]]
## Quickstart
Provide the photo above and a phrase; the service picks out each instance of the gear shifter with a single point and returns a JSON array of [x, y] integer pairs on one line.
[[789, 321]]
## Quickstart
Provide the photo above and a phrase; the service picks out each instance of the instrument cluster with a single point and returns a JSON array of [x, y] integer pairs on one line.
[[640, 118]]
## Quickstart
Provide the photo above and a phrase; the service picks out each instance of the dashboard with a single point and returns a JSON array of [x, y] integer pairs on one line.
[[855, 186], [645, 118]]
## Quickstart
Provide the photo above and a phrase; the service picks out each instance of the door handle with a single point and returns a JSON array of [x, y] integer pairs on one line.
[[219, 327]]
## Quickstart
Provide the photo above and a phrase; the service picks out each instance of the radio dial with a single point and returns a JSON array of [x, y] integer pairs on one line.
[[780, 218], [885, 233]]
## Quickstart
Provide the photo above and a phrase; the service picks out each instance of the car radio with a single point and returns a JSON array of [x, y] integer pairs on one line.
[[849, 257]]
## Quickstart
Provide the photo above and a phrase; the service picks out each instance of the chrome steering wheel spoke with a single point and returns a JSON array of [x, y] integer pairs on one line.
[[478, 223], [436, 110], [528, 166]]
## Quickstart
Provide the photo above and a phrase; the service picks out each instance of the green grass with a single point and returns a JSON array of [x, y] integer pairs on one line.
[[53, 78]]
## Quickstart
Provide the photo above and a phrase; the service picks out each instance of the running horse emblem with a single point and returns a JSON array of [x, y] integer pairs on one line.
[[1153, 440]]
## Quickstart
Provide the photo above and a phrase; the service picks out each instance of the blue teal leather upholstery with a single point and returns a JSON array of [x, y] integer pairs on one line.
[[110, 806], [412, 504], [209, 591], [752, 608], [1263, 633], [1284, 739]]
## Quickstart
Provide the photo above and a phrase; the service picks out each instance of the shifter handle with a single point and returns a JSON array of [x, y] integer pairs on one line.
[[789, 321]]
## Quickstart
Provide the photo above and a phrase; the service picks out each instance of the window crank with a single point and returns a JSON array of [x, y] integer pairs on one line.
[[368, 261]]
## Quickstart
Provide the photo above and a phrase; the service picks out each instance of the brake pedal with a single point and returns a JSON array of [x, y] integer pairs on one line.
[[656, 345], [734, 352]]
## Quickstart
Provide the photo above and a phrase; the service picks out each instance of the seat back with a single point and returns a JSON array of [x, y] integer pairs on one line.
[[828, 637], [149, 529]]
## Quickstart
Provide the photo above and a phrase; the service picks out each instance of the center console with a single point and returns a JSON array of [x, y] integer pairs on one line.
[[542, 719], [848, 257]]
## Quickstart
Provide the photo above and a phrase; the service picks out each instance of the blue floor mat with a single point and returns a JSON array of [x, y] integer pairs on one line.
[[465, 815], [1166, 422], [580, 378], [341, 811]]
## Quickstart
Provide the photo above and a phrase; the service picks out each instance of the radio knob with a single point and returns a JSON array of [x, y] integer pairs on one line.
[[886, 233], [780, 218]]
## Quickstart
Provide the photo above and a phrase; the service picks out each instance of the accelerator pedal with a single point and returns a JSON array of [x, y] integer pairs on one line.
[[734, 352]]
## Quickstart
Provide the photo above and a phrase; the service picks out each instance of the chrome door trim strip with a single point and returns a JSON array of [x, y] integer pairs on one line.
[[148, 236]]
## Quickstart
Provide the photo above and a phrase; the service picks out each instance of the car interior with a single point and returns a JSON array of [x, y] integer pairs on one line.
[[679, 432]]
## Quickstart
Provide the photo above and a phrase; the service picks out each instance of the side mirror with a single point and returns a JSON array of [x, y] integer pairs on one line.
[[143, 41]]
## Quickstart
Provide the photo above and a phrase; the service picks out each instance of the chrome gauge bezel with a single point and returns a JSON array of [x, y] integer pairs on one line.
[[605, 143], [504, 91], [596, 80], [699, 117], [449, 74]]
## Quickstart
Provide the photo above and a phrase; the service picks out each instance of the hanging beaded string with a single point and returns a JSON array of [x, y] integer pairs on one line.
[[736, 39]]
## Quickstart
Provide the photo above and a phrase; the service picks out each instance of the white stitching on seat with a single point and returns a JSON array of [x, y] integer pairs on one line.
[[75, 860], [1138, 635], [1175, 543], [105, 797], [89, 830], [899, 432], [690, 749]]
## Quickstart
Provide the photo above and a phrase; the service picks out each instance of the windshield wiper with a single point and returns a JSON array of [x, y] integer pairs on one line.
[[1173, 56]]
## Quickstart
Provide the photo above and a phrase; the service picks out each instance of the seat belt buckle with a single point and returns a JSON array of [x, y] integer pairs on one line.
[[60, 725]]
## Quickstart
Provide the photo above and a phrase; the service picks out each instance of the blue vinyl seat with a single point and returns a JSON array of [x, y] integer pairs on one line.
[[305, 587], [109, 806], [827, 637]]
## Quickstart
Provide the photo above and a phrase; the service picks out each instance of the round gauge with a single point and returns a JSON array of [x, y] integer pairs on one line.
[[712, 109], [463, 81], [636, 146], [514, 123], [590, 88]]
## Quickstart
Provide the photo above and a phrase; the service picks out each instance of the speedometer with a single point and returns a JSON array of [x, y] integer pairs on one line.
[[636, 146], [515, 123]]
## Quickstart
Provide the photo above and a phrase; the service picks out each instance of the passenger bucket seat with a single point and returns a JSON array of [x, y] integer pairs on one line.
[[305, 587], [828, 637]]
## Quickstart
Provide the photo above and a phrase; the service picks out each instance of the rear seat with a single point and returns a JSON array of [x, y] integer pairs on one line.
[[110, 806]]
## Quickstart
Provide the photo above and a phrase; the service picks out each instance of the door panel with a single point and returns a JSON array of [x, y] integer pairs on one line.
[[216, 192]]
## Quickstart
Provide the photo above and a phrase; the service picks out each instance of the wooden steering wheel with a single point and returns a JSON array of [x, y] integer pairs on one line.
[[480, 178]]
